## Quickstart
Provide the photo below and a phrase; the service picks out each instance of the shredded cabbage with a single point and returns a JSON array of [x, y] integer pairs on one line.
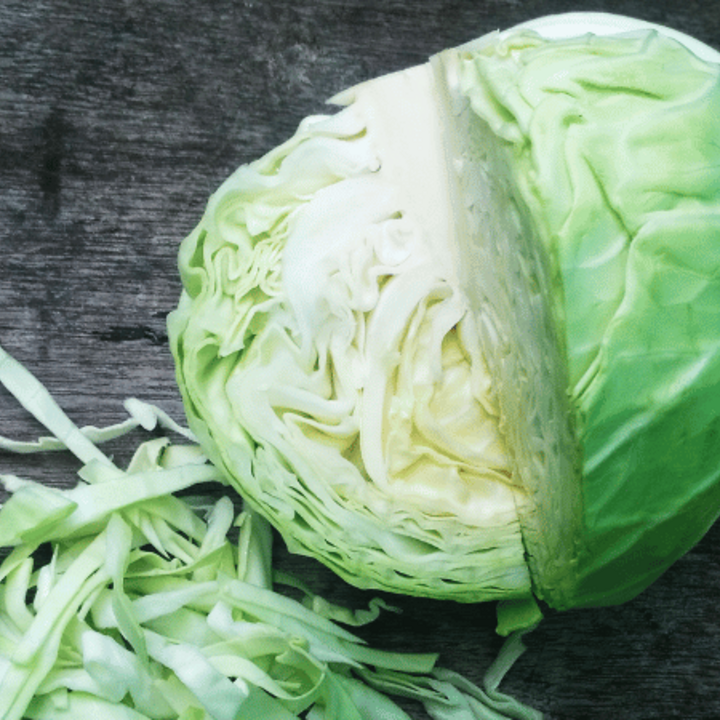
[[148, 610]]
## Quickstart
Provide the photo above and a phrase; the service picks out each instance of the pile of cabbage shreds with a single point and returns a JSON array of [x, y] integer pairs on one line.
[[122, 600]]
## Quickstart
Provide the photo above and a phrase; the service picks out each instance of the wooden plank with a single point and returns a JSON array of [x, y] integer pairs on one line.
[[117, 120]]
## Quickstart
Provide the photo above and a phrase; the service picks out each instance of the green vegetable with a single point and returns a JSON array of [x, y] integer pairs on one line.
[[143, 608], [460, 338]]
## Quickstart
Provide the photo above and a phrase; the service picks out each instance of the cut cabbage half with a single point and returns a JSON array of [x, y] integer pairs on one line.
[[460, 339]]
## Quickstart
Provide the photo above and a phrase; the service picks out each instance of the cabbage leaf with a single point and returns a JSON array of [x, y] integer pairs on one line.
[[460, 338]]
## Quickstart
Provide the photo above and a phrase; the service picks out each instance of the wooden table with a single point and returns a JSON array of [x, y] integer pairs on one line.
[[117, 120]]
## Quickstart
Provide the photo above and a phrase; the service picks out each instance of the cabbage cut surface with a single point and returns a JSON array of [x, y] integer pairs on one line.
[[460, 339]]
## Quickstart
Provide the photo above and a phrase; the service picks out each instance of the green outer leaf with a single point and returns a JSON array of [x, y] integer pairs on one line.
[[617, 161]]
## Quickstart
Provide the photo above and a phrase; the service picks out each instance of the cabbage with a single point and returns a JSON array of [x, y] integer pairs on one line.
[[460, 338]]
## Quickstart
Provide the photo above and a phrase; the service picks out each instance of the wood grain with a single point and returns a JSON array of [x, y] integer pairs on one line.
[[117, 120]]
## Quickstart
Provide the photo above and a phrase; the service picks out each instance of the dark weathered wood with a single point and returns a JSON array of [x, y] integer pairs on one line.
[[117, 120]]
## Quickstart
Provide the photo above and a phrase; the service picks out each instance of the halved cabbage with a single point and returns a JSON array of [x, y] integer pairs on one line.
[[460, 339]]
